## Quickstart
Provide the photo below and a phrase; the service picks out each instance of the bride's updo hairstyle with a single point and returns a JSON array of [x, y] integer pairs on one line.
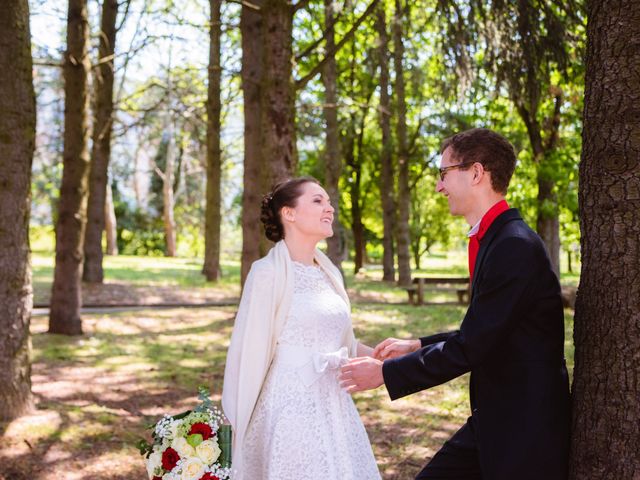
[[284, 194]]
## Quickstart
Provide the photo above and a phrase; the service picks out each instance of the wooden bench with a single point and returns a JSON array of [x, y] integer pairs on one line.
[[420, 284]]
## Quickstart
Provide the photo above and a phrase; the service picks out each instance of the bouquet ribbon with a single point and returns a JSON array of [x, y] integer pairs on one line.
[[310, 364]]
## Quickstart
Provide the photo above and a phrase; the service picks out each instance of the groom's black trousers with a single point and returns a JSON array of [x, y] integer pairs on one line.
[[457, 459]]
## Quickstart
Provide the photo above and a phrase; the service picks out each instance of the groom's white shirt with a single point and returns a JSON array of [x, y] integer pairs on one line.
[[262, 313]]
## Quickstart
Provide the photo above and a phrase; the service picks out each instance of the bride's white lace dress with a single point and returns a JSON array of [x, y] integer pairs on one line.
[[304, 425]]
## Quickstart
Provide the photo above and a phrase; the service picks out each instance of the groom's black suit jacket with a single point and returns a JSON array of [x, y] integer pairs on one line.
[[511, 340]]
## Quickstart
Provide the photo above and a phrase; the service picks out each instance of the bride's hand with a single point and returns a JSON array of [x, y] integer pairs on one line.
[[393, 347]]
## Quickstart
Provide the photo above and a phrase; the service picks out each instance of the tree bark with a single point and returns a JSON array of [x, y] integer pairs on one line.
[[404, 197], [17, 134], [211, 268], [332, 156], [606, 386], [110, 224], [101, 150], [66, 294], [278, 94], [255, 182], [386, 161]]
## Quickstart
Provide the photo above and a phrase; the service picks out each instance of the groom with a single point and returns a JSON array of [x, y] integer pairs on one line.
[[511, 338]]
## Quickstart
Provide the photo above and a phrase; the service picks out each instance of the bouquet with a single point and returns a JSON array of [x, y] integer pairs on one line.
[[193, 445]]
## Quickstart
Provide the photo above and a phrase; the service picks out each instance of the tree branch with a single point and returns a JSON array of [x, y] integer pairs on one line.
[[323, 37], [299, 84]]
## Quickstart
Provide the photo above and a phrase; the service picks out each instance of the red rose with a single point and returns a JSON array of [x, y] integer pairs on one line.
[[169, 459], [209, 476], [203, 429], [156, 478]]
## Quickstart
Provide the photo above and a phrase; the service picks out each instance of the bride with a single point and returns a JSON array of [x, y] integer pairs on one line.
[[292, 333]]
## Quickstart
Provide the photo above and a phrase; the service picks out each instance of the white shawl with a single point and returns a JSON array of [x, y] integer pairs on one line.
[[262, 313]]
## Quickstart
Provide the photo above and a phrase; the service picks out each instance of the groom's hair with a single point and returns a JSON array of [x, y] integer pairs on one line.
[[489, 148]]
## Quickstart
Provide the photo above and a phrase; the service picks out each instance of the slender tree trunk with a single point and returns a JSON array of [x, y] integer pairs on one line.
[[386, 170], [211, 268], [168, 201], [548, 221], [110, 224], [415, 247], [66, 295], [355, 182], [255, 181], [278, 94], [332, 157], [17, 127], [101, 150], [404, 197], [606, 386]]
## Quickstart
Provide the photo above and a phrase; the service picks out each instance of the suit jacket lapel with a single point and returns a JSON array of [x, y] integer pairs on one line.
[[496, 226]]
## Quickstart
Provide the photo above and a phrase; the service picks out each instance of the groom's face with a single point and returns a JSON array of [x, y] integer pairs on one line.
[[455, 183]]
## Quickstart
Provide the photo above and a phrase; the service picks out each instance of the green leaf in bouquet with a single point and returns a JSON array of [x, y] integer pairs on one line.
[[180, 416], [203, 396], [194, 439], [144, 447]]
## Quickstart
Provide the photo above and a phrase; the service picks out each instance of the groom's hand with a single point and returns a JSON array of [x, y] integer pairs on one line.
[[361, 373], [393, 347]]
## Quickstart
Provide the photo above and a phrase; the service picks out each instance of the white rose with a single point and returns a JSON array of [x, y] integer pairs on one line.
[[181, 446], [192, 469], [154, 461], [208, 451], [173, 428]]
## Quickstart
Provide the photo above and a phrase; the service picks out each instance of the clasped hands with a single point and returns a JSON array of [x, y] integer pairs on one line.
[[365, 373]]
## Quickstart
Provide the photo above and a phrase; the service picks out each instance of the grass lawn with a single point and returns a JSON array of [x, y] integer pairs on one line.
[[96, 392]]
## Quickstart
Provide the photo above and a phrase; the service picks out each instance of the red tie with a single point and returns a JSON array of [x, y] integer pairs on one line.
[[474, 246]]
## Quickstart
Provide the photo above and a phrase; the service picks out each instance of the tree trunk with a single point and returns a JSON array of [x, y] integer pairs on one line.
[[255, 182], [332, 157], [18, 125], [168, 198], [386, 170], [110, 224], [404, 197], [101, 150], [66, 294], [415, 249], [211, 268], [355, 183], [548, 221], [278, 94], [606, 386]]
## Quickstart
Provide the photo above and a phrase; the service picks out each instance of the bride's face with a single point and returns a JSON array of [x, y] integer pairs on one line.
[[313, 214]]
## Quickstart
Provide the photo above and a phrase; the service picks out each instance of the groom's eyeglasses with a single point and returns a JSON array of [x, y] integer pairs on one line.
[[443, 170]]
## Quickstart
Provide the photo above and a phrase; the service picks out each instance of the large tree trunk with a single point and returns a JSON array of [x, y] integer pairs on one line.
[[255, 183], [18, 125], [211, 267], [386, 167], [606, 386], [278, 94], [404, 197], [66, 295], [332, 157], [101, 150], [110, 225]]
